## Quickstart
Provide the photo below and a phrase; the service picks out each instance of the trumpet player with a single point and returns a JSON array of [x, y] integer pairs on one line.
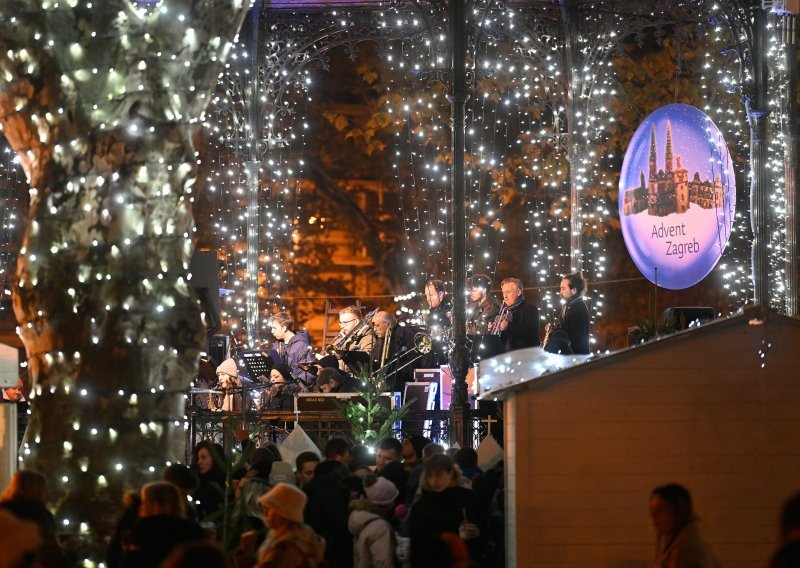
[[517, 324], [574, 321]]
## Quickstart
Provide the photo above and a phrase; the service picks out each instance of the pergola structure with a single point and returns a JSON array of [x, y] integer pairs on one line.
[[576, 38]]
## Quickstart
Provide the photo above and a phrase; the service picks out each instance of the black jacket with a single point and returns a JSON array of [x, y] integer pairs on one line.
[[154, 538], [401, 351], [437, 513], [575, 322], [523, 329], [327, 512], [350, 384]]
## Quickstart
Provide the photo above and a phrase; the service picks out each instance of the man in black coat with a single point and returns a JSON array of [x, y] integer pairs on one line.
[[574, 319], [398, 365], [334, 380], [327, 511], [518, 319]]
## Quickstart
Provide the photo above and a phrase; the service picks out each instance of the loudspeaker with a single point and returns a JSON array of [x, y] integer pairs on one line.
[[219, 348], [205, 282], [684, 315]]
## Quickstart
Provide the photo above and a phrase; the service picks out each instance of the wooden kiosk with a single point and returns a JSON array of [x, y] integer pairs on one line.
[[715, 408]]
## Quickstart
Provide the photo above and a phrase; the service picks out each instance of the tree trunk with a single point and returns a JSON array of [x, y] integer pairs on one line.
[[98, 104]]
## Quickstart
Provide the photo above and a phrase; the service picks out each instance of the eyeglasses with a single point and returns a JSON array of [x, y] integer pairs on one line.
[[346, 321]]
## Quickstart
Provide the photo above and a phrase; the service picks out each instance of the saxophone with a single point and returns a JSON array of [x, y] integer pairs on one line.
[[549, 328]]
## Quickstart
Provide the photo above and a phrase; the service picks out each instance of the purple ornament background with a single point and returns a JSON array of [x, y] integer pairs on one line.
[[699, 143]]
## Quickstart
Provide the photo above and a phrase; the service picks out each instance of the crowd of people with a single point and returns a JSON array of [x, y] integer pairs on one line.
[[411, 503]]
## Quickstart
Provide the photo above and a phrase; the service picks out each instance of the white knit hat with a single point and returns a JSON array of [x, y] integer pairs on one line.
[[228, 367], [281, 472], [287, 500], [382, 492]]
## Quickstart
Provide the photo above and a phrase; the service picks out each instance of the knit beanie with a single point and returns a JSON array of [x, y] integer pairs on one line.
[[281, 472], [287, 500], [381, 491], [228, 367], [285, 371]]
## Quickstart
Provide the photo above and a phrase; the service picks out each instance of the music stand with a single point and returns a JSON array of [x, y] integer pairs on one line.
[[258, 364], [356, 361]]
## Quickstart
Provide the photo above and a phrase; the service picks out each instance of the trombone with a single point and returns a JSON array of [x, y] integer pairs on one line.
[[346, 342], [423, 344]]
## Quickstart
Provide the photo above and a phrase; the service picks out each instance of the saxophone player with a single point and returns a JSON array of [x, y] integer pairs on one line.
[[517, 324], [574, 320]]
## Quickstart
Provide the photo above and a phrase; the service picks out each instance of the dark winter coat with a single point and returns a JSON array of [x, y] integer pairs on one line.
[[154, 538], [575, 322], [327, 512], [435, 513], [523, 329]]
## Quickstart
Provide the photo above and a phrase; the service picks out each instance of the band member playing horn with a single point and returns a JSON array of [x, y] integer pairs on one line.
[[517, 323], [574, 321], [393, 348], [349, 318], [482, 308], [293, 347]]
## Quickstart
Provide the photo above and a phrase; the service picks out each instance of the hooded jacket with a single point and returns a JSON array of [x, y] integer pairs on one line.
[[295, 351], [374, 542]]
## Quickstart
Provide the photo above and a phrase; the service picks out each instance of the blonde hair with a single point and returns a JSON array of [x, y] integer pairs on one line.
[[351, 310], [26, 485]]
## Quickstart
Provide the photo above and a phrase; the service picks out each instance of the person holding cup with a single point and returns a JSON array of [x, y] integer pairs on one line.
[[444, 506]]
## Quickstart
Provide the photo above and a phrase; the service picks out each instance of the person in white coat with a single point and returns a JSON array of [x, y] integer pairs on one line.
[[374, 541]]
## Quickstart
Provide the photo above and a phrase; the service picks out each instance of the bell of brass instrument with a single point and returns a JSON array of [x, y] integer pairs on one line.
[[423, 342]]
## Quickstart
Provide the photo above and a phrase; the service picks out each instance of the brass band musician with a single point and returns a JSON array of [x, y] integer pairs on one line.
[[574, 320], [438, 325], [517, 323], [482, 308], [393, 348], [349, 318], [439, 307]]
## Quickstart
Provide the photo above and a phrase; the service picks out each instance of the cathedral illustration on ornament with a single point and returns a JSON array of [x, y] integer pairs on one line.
[[669, 190]]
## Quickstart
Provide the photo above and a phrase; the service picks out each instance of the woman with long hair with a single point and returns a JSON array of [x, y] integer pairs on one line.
[[678, 540], [208, 461]]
